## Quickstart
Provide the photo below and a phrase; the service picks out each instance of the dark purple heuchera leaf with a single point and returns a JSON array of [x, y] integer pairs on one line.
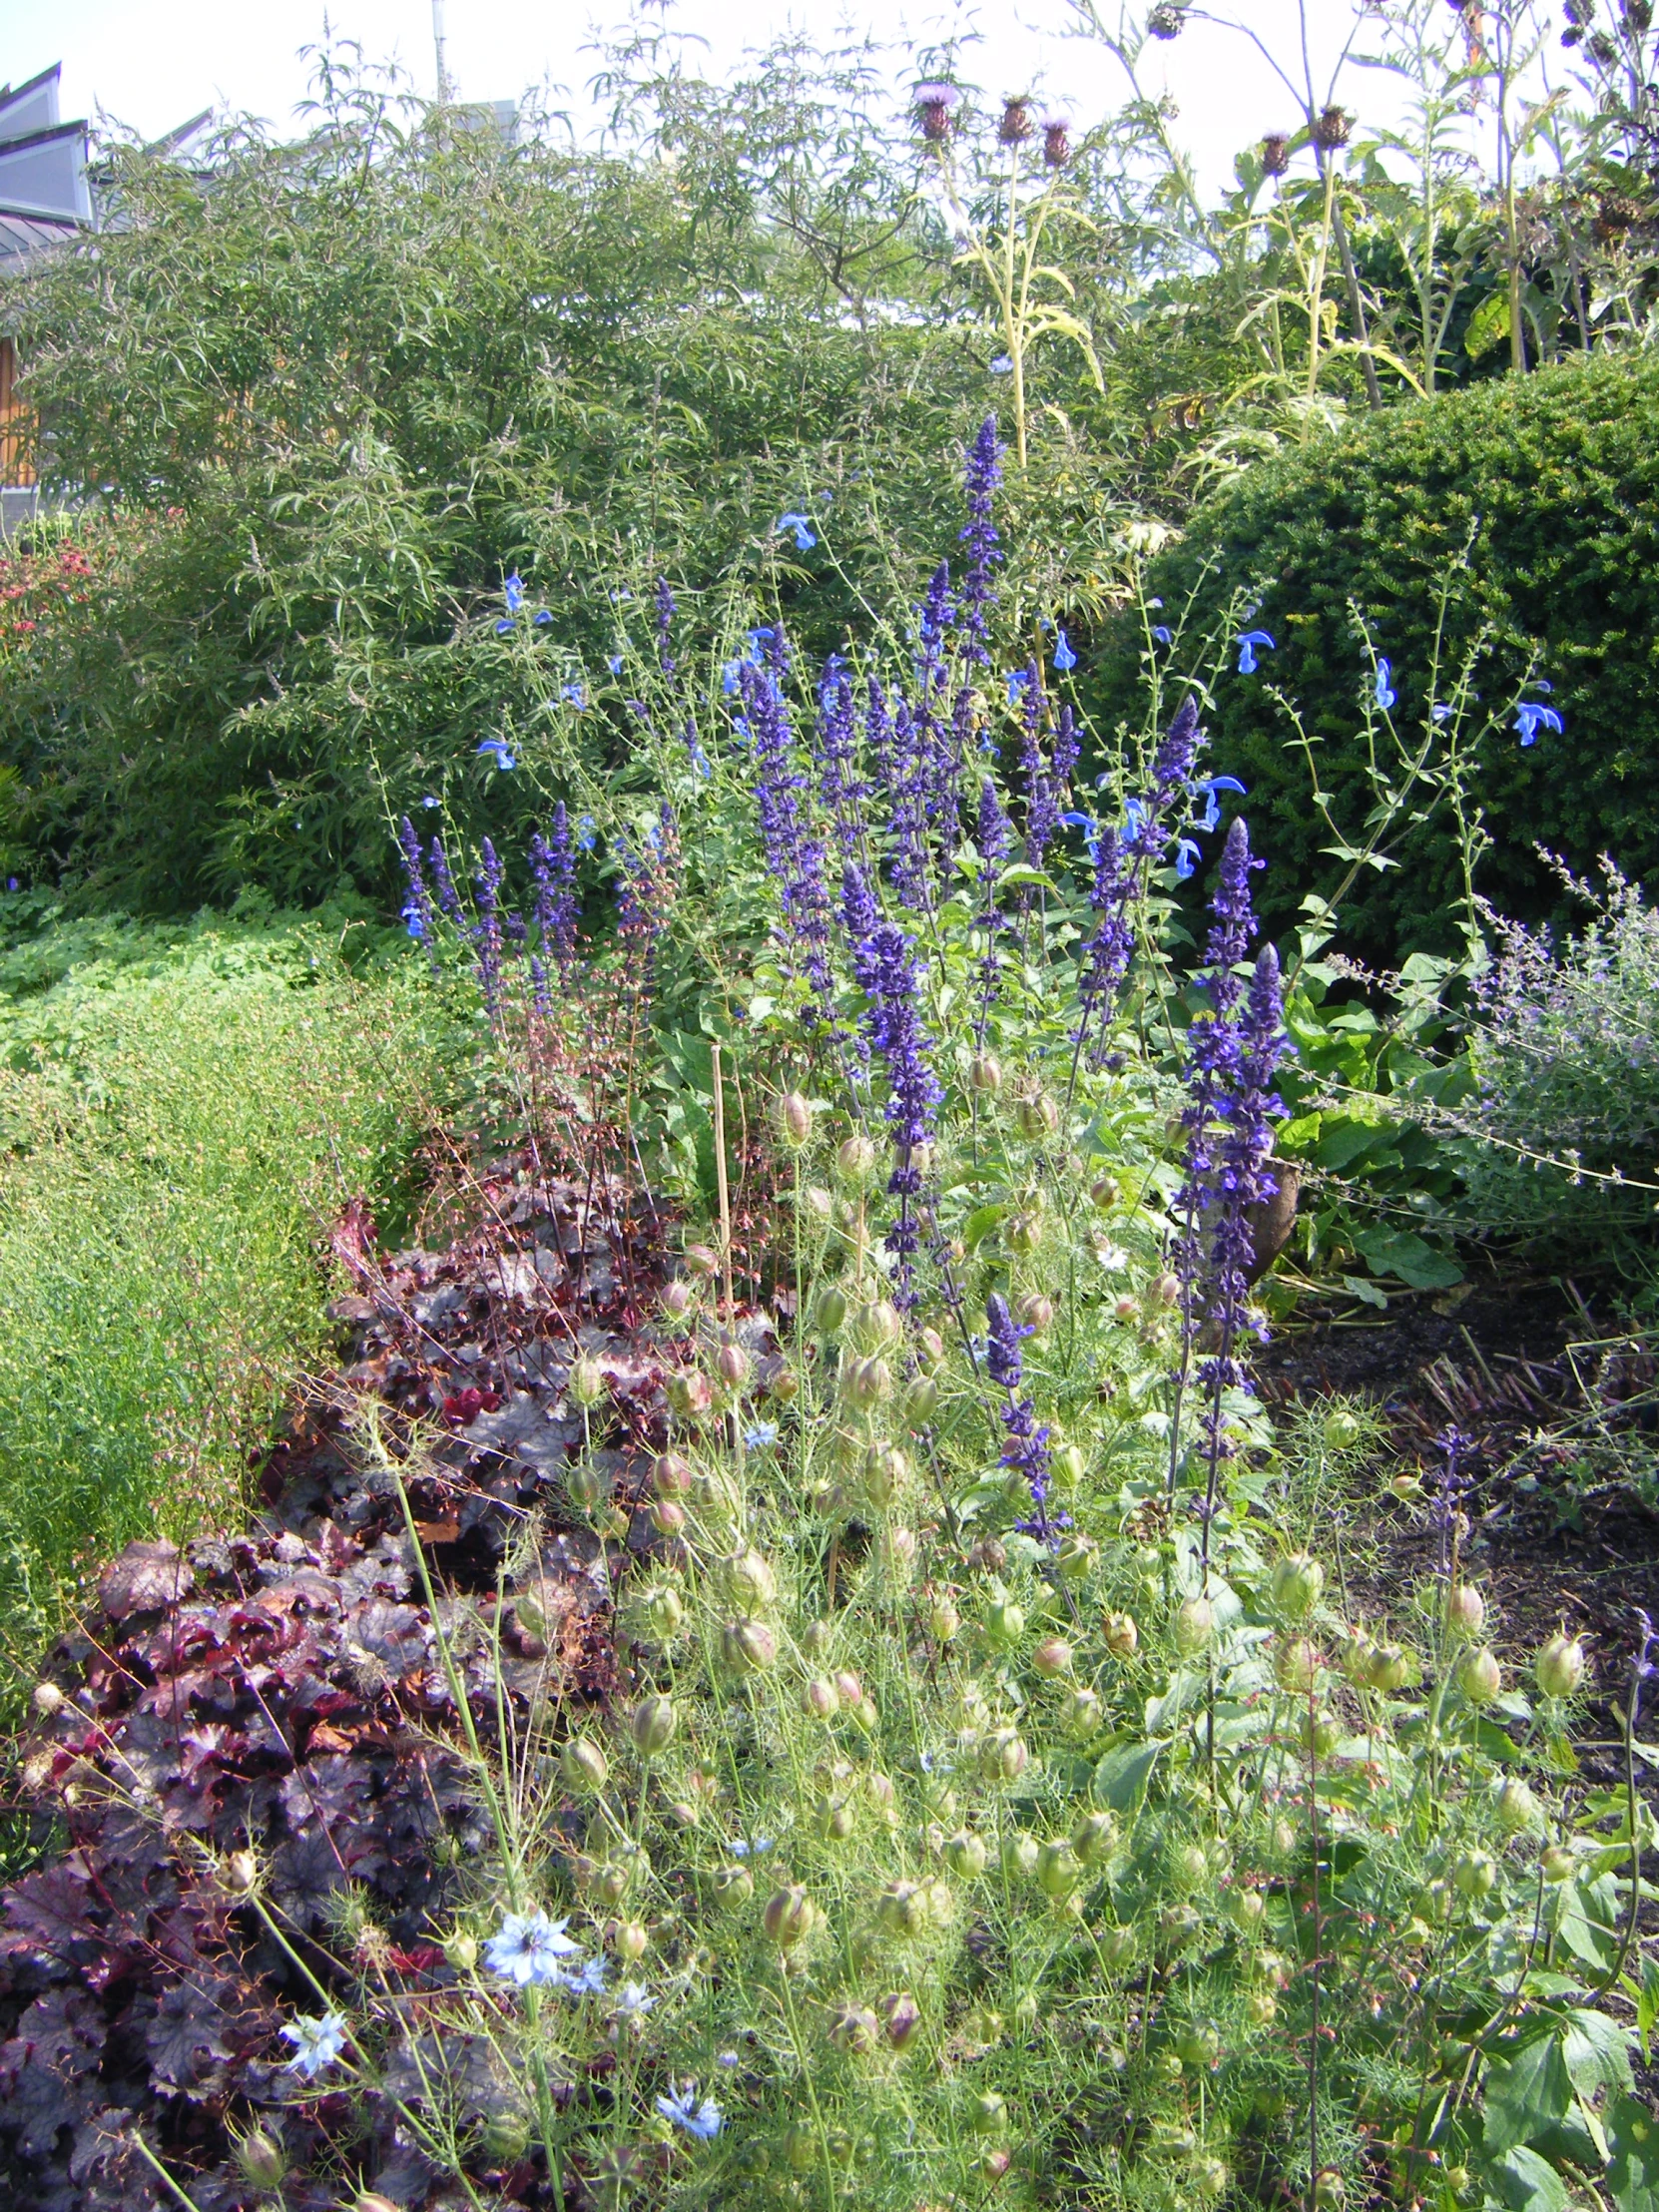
[[143, 1579]]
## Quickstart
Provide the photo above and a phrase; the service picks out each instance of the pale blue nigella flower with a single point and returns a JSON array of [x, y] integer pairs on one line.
[[527, 1948], [585, 1981], [317, 2043], [1247, 650], [742, 1848], [1065, 660], [702, 2119], [801, 525], [1385, 688], [633, 2000], [1531, 717], [760, 1435]]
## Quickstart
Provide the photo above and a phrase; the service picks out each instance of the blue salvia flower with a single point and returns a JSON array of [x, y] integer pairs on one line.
[[840, 793], [694, 746], [587, 834], [1162, 633], [541, 990], [909, 856], [794, 858], [982, 475], [1028, 1450], [513, 593], [802, 528], [1212, 786], [418, 908], [1065, 660], [896, 1034], [1385, 686], [500, 751], [665, 626], [486, 934], [448, 897], [553, 864], [1186, 858], [1531, 717], [934, 620], [1249, 644], [1018, 680]]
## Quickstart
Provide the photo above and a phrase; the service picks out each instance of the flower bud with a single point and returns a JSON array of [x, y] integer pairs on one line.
[[943, 1621], [1038, 1312], [965, 1854], [789, 1914], [587, 1380], [1295, 1665], [1084, 1715], [237, 1872], [855, 1159], [1094, 1838], [677, 1299], [263, 2159], [819, 1698], [689, 1393], [1481, 1678], [900, 2016], [582, 1765], [734, 1885], [652, 1725], [1466, 1611], [732, 1365], [1019, 1856], [1560, 1664], [632, 1939], [47, 1699], [1474, 1874], [985, 1072], [748, 1645], [1121, 1635], [1295, 1584], [795, 1119], [1004, 1622], [1052, 1657], [867, 1381], [1194, 1624]]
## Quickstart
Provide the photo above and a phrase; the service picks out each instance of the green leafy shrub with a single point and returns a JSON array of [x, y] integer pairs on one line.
[[180, 1114], [1551, 484]]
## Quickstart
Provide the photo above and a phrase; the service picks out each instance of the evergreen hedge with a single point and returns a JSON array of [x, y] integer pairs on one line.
[[1555, 477]]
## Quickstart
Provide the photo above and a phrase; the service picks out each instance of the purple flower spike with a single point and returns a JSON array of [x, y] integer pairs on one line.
[[984, 475]]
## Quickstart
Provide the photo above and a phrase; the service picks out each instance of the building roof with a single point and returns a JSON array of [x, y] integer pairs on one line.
[[44, 193]]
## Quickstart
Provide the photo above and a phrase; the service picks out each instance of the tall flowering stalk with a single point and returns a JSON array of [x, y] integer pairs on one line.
[[665, 626], [794, 858], [418, 918], [890, 975], [449, 900], [487, 935], [979, 595], [992, 840], [1125, 861], [841, 792], [1026, 1452], [553, 866], [909, 864]]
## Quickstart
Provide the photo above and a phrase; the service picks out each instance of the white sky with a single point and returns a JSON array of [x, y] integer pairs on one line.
[[151, 64]]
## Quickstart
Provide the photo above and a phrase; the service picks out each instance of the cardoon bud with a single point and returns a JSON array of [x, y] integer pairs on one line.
[[1275, 154], [1015, 126], [933, 104], [1332, 128], [1056, 140]]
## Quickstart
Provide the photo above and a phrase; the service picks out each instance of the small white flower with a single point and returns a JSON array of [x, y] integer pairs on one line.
[[317, 2043]]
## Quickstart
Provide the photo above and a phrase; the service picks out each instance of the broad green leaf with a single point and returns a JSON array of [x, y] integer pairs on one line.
[[1121, 1778], [1488, 325], [1632, 2133], [1527, 2183], [1403, 1253], [1529, 2094]]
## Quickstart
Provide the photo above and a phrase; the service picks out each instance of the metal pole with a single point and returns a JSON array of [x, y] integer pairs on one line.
[[438, 44]]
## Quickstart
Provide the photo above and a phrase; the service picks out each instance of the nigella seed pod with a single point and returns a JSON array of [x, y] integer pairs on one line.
[[587, 1381], [790, 1916], [1117, 1948], [370, 2200], [1052, 1657], [1388, 1668], [677, 1301], [816, 1638], [900, 2016], [1295, 1585], [732, 1885], [1295, 1665], [1022, 1233], [819, 1698], [849, 1688], [985, 1073], [748, 1646], [732, 1365], [263, 2159], [965, 1854], [238, 1872], [1466, 1611], [1004, 1622], [902, 1909], [671, 1477], [461, 1950], [652, 1725], [853, 2027], [795, 1119], [588, 1488], [1059, 1871], [945, 1623], [1556, 1862], [1069, 1467], [921, 1401], [876, 1323], [867, 1382], [1019, 1856], [856, 1160], [1517, 1808], [1480, 1677], [750, 1583], [582, 1765], [1003, 1756], [1194, 1624], [988, 2114], [701, 1259], [690, 1394], [1560, 1664], [1247, 1909], [1084, 1715], [668, 1516], [1104, 1192], [1094, 1838], [930, 1349], [1165, 1288], [1076, 1556], [1474, 1874], [632, 1941], [1121, 1635], [831, 1311], [1038, 1312], [1038, 1116]]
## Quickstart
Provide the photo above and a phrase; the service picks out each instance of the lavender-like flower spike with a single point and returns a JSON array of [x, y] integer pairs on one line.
[[1028, 1450], [487, 935], [553, 864], [982, 475], [1234, 924], [665, 626], [841, 792], [890, 975], [991, 838], [1003, 1361], [910, 809], [1042, 809], [449, 896], [794, 858], [418, 918]]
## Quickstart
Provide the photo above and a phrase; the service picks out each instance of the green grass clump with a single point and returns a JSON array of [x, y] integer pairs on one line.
[[180, 1112]]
